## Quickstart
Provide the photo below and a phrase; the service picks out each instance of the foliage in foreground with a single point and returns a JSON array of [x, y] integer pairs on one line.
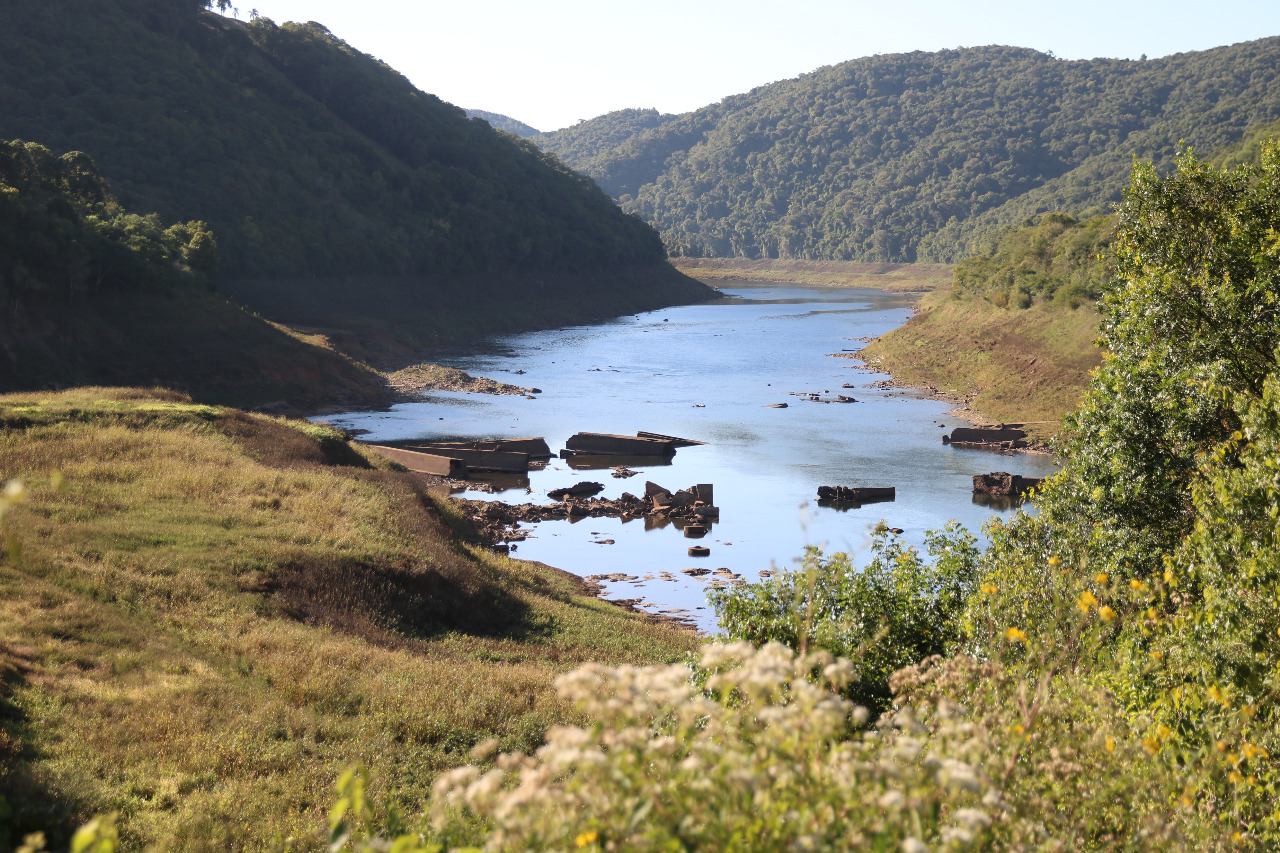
[[894, 612]]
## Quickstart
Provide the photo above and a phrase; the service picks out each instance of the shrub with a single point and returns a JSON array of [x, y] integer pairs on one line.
[[895, 612]]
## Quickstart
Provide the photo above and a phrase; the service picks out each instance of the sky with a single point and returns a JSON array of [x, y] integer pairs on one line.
[[551, 64]]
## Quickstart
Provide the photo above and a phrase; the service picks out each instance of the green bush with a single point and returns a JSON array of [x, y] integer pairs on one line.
[[895, 612]]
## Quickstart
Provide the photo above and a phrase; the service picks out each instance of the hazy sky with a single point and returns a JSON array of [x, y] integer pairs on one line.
[[552, 63]]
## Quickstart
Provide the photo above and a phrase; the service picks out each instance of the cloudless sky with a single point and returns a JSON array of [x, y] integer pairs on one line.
[[554, 62]]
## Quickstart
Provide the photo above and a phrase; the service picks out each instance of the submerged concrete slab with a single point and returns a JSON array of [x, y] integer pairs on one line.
[[423, 463], [619, 445]]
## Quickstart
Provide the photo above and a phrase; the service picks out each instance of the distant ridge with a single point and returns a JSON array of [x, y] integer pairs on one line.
[[915, 156], [507, 123]]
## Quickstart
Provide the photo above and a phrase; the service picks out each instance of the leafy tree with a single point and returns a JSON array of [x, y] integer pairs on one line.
[[1191, 322]]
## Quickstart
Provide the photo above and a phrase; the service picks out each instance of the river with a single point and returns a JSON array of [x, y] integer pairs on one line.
[[709, 372]]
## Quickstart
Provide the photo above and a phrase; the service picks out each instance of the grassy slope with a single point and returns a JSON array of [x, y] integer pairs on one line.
[[894, 277], [1010, 364], [217, 611]]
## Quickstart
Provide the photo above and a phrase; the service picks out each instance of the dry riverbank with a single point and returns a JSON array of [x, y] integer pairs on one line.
[[895, 278], [1000, 364]]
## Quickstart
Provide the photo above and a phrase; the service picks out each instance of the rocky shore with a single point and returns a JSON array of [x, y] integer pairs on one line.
[[499, 523], [411, 382]]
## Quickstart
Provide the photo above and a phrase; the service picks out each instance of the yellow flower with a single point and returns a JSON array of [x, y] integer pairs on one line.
[[1215, 693], [1101, 578], [1138, 585], [1235, 777], [1111, 744], [1168, 575], [586, 838], [1086, 601], [1250, 750], [1017, 635], [1221, 746], [1249, 711], [989, 588], [1055, 561], [1158, 655], [1106, 613], [1151, 744], [1162, 731], [1234, 759]]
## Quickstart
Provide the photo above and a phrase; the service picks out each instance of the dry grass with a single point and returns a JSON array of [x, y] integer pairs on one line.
[[1012, 365], [215, 612], [902, 278]]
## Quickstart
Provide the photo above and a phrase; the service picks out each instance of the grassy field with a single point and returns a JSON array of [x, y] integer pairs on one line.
[[908, 278], [1009, 364], [207, 614]]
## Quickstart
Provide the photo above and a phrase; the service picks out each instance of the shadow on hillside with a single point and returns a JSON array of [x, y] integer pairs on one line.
[[396, 606], [27, 805], [437, 589]]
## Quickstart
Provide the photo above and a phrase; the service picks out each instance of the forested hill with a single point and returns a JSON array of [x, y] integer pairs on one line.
[[507, 123], [912, 156], [306, 157]]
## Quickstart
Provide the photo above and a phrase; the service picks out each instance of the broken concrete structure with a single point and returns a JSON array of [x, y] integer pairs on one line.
[[1004, 437], [603, 444], [1003, 484], [855, 494], [423, 463]]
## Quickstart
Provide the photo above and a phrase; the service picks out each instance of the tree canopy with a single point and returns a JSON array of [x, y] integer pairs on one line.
[[63, 234]]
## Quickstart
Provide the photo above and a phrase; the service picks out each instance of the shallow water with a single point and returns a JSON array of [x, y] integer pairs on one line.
[[708, 372]]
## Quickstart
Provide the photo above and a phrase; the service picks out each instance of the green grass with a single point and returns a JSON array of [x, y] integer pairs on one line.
[[211, 613], [908, 278], [1011, 364]]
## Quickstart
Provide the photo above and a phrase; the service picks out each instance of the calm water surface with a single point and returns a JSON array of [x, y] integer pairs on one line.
[[708, 372]]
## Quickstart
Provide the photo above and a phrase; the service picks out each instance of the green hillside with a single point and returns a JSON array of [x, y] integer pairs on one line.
[[918, 156], [313, 162]]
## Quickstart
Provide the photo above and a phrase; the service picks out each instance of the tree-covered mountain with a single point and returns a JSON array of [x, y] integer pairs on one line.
[[915, 156], [311, 161], [507, 123]]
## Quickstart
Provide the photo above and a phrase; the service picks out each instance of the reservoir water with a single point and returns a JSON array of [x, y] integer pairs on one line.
[[710, 372]]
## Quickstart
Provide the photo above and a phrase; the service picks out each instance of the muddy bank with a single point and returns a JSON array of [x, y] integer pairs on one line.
[[410, 383], [962, 402]]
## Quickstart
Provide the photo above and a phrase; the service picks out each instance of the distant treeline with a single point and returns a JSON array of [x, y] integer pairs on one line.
[[920, 156], [1057, 256], [305, 156]]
